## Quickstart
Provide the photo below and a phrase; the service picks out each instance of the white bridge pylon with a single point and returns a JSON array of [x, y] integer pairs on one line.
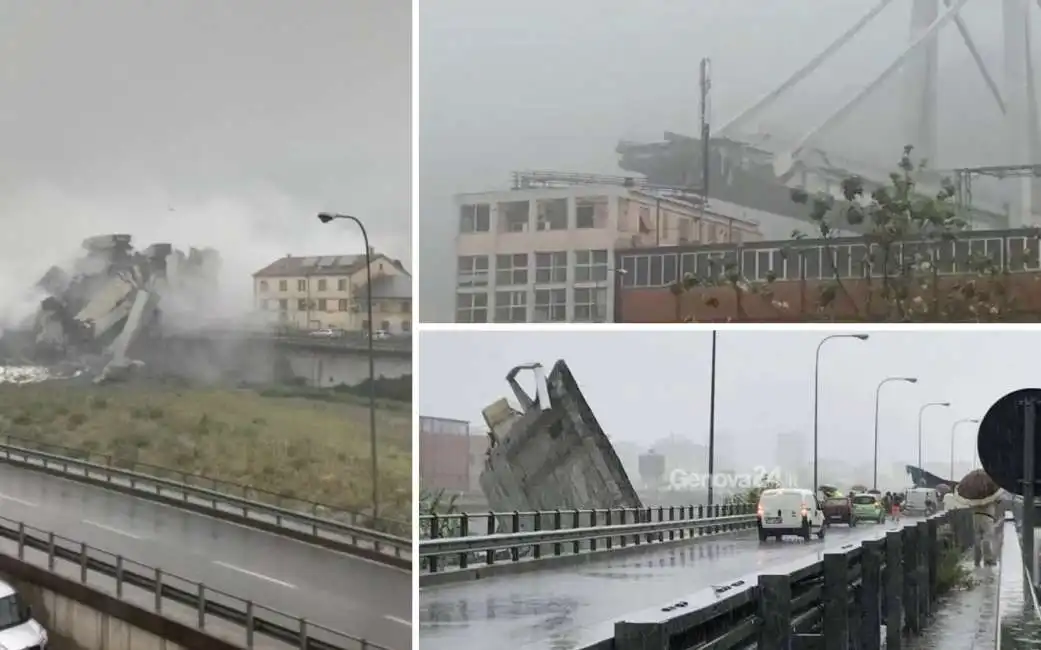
[[1015, 96]]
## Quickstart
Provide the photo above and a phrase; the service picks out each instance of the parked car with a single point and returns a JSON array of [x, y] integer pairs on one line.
[[920, 501], [868, 507], [326, 333]]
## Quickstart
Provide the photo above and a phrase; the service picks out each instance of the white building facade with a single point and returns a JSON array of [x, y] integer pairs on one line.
[[546, 254]]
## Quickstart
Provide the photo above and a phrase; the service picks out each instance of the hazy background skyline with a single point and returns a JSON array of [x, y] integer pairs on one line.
[[224, 125], [645, 386], [548, 85]]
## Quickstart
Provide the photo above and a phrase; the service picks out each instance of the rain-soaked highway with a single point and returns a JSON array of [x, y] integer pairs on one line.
[[571, 608], [329, 588]]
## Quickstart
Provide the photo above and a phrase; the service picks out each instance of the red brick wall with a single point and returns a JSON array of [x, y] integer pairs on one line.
[[444, 461], [802, 298]]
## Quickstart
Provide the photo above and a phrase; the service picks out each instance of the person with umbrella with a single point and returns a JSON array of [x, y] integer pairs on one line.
[[981, 494]]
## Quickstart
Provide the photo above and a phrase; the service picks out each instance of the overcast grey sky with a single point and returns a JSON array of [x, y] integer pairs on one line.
[[643, 386], [542, 84], [226, 124]]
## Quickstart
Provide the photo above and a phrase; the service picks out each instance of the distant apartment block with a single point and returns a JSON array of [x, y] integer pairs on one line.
[[311, 293], [451, 455], [545, 253]]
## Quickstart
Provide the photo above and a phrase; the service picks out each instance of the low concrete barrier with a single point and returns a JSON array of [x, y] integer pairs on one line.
[[78, 616]]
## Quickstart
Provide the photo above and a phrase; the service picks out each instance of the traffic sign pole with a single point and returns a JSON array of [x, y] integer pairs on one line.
[[1029, 422]]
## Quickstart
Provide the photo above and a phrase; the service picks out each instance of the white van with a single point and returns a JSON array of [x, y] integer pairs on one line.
[[921, 501], [789, 511], [18, 629]]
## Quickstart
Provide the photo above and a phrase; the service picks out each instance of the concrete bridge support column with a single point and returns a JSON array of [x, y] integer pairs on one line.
[[1019, 129], [921, 76]]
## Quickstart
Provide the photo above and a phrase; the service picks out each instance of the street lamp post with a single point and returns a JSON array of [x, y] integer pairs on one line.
[[878, 391], [326, 217], [712, 424], [816, 396], [921, 413], [954, 427]]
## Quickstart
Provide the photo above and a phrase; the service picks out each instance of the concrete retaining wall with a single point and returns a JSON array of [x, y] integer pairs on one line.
[[82, 618]]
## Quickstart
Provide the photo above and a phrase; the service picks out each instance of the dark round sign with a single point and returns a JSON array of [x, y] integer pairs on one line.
[[999, 442]]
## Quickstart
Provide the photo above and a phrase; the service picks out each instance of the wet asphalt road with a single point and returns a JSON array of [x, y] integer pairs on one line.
[[571, 608], [332, 589]]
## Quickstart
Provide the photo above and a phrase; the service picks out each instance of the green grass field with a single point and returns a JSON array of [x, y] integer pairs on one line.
[[313, 447]]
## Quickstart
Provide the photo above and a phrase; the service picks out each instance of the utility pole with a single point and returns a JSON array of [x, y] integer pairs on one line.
[[706, 86]]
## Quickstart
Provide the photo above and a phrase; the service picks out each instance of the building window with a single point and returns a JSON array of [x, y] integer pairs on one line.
[[385, 325], [513, 216], [301, 285], [406, 326], [552, 214], [283, 285], [341, 285], [301, 304], [590, 266], [323, 305], [590, 305], [550, 306], [283, 305], [263, 285], [591, 213], [511, 269], [473, 271], [471, 307], [551, 267], [475, 218], [511, 306], [406, 307], [341, 304], [321, 284]]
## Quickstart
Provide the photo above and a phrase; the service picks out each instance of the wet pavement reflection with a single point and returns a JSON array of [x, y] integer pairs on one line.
[[569, 608]]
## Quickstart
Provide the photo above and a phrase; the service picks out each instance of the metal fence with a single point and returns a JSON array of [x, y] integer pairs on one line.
[[844, 599], [160, 591], [392, 546], [247, 492], [449, 542]]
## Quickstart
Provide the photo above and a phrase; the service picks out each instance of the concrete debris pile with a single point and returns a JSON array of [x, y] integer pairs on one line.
[[111, 297]]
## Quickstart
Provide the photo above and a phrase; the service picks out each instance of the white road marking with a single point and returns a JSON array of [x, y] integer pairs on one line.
[[399, 621], [110, 529], [260, 576], [6, 497]]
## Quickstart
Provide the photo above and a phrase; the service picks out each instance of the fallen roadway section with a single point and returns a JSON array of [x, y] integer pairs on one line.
[[300, 585], [577, 606]]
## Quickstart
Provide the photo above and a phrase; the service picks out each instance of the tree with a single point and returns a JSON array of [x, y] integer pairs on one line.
[[435, 503], [899, 279]]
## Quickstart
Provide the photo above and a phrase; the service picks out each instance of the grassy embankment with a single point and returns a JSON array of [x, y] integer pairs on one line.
[[307, 444]]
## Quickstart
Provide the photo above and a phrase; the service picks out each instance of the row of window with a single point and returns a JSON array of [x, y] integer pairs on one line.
[[301, 285], [514, 216], [589, 305], [333, 305], [846, 261], [549, 268]]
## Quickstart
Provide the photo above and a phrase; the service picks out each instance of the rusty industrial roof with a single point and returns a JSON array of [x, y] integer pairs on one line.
[[290, 266]]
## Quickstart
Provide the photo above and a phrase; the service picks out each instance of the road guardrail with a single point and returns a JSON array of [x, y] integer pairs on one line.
[[158, 589], [887, 581], [533, 537], [382, 547], [313, 508]]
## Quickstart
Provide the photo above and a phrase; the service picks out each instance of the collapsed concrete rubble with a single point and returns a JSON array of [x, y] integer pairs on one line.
[[112, 297], [551, 453]]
